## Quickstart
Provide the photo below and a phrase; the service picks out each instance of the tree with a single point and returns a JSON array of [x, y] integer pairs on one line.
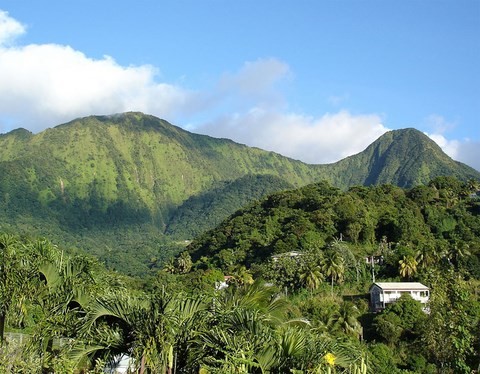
[[457, 251], [65, 287], [402, 319], [16, 273], [346, 320], [427, 255], [311, 276], [9, 278], [389, 327], [452, 323], [184, 263], [169, 266], [408, 266], [154, 329], [333, 266], [241, 276]]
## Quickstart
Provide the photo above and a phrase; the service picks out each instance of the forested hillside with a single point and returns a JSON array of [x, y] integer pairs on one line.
[[434, 219], [122, 187], [205, 211], [404, 158], [318, 238], [279, 287]]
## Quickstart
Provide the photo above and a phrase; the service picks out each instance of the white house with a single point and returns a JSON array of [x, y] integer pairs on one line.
[[384, 293]]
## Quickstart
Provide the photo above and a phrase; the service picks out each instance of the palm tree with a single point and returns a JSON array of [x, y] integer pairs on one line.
[[16, 276], [346, 254], [62, 293], [346, 319], [311, 276], [333, 266], [169, 266], [9, 277], [155, 329], [457, 251], [427, 255], [250, 331], [408, 266], [184, 263], [241, 276]]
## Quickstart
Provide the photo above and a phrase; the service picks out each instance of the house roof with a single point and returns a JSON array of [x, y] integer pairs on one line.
[[401, 286]]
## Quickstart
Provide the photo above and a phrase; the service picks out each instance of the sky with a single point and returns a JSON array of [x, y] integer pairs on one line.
[[314, 80]]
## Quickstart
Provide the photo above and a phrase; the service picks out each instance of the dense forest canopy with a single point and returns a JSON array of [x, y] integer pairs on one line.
[[132, 186], [188, 254], [440, 219], [281, 286]]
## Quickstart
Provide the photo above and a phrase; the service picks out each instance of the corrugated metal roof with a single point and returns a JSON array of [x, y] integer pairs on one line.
[[401, 286]]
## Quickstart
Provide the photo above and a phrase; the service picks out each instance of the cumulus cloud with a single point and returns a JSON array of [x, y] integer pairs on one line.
[[313, 140], [463, 150], [9, 28], [44, 85], [259, 118]]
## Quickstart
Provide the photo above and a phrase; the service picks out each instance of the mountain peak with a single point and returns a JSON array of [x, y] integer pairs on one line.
[[405, 157]]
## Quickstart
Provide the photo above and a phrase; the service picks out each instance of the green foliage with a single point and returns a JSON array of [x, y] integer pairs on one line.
[[79, 315], [454, 322], [202, 212], [86, 182], [318, 215], [403, 319]]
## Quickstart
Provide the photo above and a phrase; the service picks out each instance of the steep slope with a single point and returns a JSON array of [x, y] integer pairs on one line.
[[205, 211], [129, 167], [113, 184], [404, 158]]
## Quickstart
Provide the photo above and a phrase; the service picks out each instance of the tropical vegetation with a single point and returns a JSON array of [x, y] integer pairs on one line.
[[279, 287], [135, 185], [124, 238]]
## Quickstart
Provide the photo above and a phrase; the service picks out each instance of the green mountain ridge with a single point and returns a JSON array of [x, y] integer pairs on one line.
[[405, 158], [106, 183]]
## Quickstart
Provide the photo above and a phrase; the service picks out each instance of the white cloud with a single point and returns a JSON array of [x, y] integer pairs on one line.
[[439, 124], [255, 77], [44, 85], [48, 84], [463, 150], [259, 118], [9, 28], [450, 147], [468, 152], [313, 140]]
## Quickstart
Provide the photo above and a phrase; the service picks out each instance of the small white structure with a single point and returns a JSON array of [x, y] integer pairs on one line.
[[384, 293], [292, 254]]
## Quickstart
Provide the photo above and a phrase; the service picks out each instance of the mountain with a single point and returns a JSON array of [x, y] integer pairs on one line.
[[405, 158], [207, 210], [114, 185], [132, 167]]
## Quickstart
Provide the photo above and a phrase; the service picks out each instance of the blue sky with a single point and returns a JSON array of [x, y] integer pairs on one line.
[[313, 80]]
